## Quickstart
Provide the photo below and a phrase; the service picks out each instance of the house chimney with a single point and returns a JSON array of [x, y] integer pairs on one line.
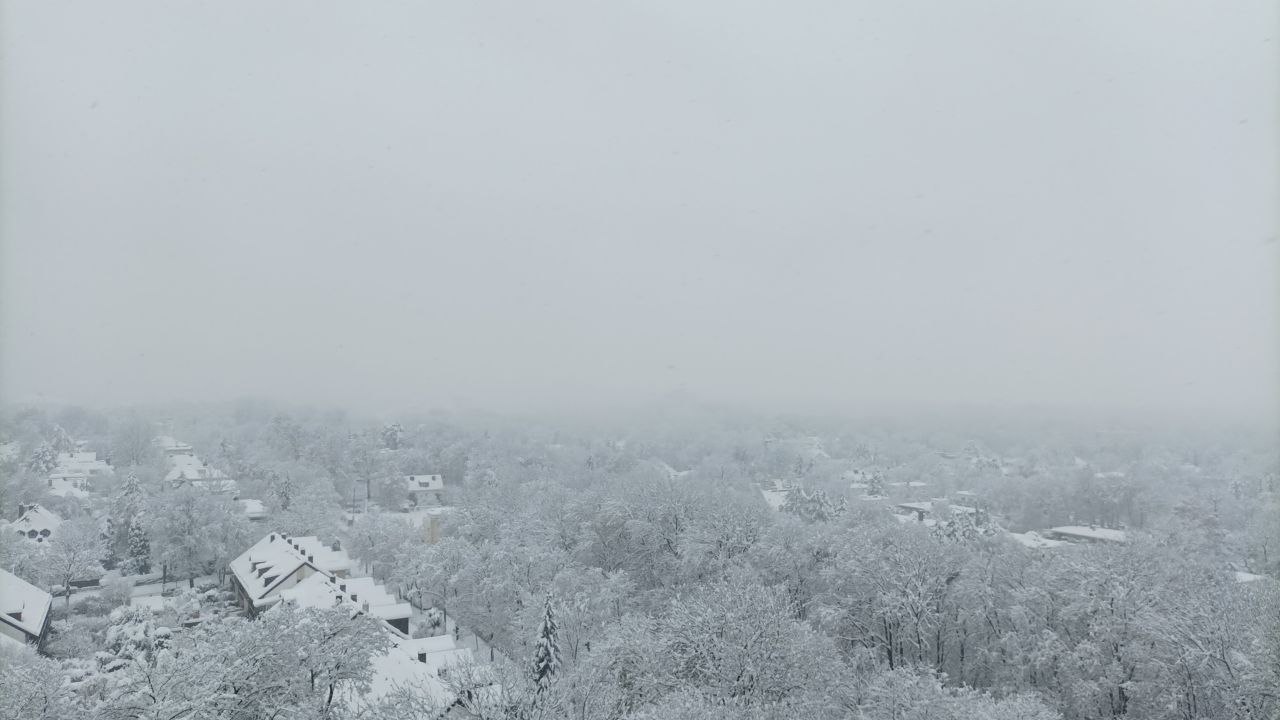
[[354, 598], [272, 538], [343, 587]]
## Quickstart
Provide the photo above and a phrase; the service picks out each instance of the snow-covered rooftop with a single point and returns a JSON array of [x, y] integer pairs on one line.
[[262, 568], [424, 483], [400, 667], [927, 507], [23, 605], [36, 523], [63, 486], [81, 463], [360, 594], [928, 522], [1082, 532], [1035, 540], [775, 498], [171, 445], [253, 509]]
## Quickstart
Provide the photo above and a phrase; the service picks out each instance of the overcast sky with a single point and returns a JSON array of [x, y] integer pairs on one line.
[[529, 205]]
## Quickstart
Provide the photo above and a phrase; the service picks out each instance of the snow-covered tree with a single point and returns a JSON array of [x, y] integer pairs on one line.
[[546, 649], [314, 512], [811, 505], [33, 687], [25, 559], [132, 636], [192, 532], [392, 434], [61, 441], [378, 538], [431, 574], [287, 437], [138, 555], [43, 459], [290, 663], [75, 552], [131, 442]]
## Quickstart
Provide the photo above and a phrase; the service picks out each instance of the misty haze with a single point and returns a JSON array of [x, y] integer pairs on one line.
[[639, 361]]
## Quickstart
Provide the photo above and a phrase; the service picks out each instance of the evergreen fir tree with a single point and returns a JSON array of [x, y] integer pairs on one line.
[[124, 507], [138, 560], [546, 655], [109, 531]]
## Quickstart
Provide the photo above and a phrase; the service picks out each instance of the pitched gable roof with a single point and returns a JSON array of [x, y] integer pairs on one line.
[[274, 558], [362, 594], [38, 519], [23, 605]]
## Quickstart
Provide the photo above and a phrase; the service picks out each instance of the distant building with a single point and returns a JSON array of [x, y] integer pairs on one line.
[[1080, 533], [927, 508], [24, 611], [254, 510], [69, 484], [84, 462], [172, 447], [424, 489], [776, 491], [1035, 540], [278, 562], [35, 523], [191, 470], [76, 473]]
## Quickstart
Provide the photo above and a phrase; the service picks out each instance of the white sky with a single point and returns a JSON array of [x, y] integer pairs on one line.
[[527, 205]]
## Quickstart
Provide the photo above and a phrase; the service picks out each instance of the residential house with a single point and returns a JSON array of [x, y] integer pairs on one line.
[[424, 489], [421, 663], [35, 523], [24, 611], [191, 471], [278, 562], [76, 473]]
